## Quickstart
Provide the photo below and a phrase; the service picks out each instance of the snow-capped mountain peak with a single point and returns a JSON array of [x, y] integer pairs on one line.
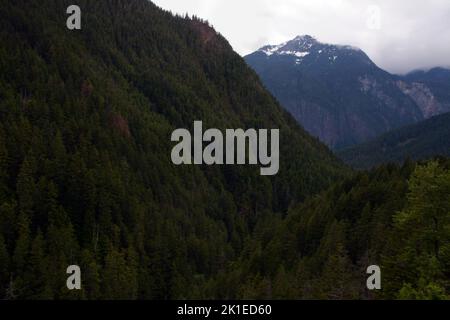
[[304, 41], [305, 45], [298, 47]]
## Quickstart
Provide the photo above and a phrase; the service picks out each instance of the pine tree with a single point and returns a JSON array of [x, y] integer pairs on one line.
[[91, 275], [337, 279], [3, 168], [283, 285], [421, 258], [115, 277], [4, 268], [21, 254], [59, 159], [37, 270], [26, 185]]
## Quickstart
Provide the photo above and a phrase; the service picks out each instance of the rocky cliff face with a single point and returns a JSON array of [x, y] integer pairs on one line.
[[429, 89], [423, 97]]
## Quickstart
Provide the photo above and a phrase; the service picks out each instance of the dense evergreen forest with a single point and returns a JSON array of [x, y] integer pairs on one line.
[[86, 176], [394, 217]]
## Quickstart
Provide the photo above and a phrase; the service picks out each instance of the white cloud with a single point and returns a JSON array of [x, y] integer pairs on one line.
[[408, 34]]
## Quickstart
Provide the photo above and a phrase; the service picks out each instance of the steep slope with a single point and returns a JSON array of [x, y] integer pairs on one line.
[[420, 141], [85, 170], [336, 92], [429, 89]]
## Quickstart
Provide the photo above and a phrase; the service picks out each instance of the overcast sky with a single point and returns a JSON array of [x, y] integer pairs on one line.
[[399, 35]]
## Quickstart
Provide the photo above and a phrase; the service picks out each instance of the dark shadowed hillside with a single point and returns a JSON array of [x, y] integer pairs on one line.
[[392, 217], [85, 170], [420, 141]]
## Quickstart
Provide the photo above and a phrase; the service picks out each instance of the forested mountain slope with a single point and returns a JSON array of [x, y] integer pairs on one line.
[[85, 170], [424, 140]]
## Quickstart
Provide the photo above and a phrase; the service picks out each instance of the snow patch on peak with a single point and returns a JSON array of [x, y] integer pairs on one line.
[[270, 50], [298, 47], [301, 46], [294, 53]]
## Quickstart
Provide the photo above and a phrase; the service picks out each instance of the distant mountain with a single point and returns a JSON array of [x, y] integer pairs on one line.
[[339, 95], [419, 141]]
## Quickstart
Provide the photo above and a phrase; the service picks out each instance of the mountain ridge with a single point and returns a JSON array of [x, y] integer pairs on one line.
[[421, 141], [338, 94]]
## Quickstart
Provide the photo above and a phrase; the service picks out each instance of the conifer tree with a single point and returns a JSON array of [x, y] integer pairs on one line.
[[424, 238], [4, 267], [26, 185], [37, 270], [3, 168]]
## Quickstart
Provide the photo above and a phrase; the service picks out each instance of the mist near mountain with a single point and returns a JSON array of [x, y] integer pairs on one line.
[[388, 31]]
